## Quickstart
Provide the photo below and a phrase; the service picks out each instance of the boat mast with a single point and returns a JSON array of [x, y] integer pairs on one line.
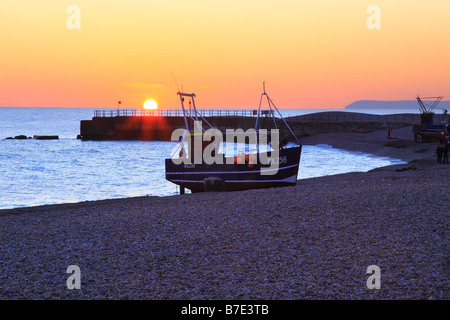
[[196, 113], [182, 95], [270, 102]]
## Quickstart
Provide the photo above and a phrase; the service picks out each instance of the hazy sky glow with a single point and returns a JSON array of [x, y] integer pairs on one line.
[[312, 54]]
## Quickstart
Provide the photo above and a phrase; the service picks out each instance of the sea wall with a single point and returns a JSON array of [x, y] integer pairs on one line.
[[387, 119], [353, 122], [151, 128]]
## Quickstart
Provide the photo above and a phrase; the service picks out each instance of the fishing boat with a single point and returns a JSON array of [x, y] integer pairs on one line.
[[198, 165]]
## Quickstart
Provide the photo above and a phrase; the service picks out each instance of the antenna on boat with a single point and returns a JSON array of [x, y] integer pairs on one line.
[[173, 77], [259, 108]]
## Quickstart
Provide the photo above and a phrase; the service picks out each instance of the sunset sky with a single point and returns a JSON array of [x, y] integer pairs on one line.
[[312, 54]]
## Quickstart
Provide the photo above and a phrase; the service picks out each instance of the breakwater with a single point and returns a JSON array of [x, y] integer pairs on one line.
[[158, 125]]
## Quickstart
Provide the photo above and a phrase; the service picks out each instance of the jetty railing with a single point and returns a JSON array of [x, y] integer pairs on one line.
[[177, 113], [336, 117]]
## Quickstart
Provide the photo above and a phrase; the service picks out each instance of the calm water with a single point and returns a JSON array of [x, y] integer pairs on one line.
[[35, 172]]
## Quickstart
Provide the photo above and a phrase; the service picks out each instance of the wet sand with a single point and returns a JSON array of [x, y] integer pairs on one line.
[[312, 241], [400, 146]]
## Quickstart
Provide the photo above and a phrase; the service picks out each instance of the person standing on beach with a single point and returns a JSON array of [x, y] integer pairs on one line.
[[445, 153], [439, 152]]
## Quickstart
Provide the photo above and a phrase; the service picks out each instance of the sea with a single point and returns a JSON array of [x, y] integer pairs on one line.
[[67, 170]]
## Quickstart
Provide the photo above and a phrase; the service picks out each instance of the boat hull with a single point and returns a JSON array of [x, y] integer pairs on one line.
[[236, 176]]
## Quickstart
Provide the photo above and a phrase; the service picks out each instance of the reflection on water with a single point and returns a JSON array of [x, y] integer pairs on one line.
[[323, 160]]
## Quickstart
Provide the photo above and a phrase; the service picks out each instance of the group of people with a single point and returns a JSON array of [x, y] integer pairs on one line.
[[442, 153]]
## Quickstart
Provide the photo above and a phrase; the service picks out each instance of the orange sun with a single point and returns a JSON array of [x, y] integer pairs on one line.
[[150, 105]]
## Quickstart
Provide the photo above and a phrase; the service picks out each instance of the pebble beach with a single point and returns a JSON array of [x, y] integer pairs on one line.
[[314, 241]]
